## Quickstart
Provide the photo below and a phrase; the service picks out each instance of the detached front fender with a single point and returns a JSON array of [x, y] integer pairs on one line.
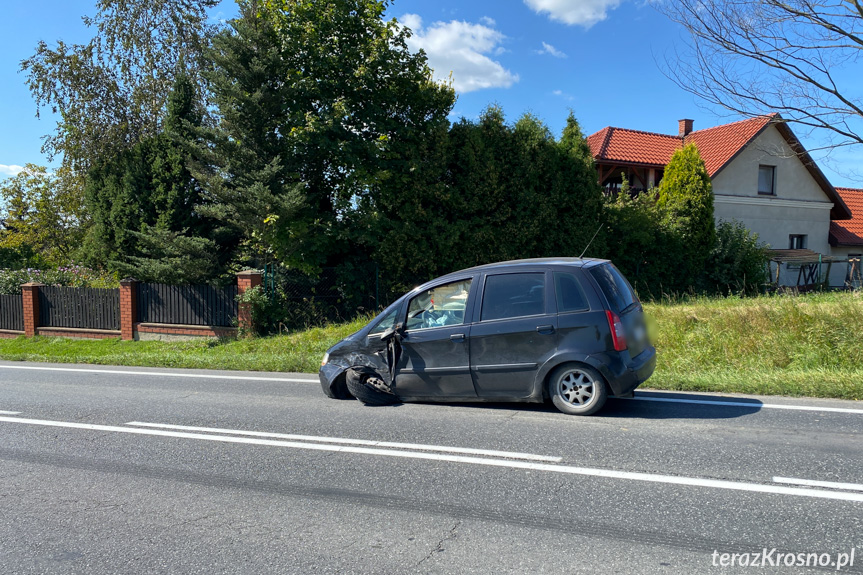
[[329, 373], [332, 377]]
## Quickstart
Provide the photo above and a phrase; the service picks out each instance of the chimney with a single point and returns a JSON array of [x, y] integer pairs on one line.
[[684, 127]]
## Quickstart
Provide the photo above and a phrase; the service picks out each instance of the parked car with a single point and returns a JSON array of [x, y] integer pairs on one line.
[[568, 329]]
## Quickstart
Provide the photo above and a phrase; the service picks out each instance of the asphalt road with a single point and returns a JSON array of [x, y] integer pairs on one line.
[[137, 470]]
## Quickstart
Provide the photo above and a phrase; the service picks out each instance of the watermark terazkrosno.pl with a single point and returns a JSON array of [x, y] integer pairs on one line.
[[774, 558]]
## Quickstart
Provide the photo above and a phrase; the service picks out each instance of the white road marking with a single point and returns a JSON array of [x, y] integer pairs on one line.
[[10, 412], [160, 373], [753, 405], [586, 471], [416, 446], [812, 483]]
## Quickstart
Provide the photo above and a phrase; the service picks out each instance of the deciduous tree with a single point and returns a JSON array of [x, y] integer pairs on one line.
[[797, 57], [41, 217], [111, 92]]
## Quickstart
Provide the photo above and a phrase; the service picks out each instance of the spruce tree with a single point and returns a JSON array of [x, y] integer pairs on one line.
[[147, 189], [318, 103]]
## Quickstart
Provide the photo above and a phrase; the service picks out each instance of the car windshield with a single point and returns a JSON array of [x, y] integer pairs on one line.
[[615, 287]]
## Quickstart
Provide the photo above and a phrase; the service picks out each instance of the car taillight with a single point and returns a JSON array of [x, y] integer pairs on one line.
[[618, 335]]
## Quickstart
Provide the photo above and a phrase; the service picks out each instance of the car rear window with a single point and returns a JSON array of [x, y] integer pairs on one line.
[[615, 287]]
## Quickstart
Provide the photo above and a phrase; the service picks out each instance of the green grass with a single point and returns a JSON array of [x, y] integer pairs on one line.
[[300, 351], [772, 345], [779, 345]]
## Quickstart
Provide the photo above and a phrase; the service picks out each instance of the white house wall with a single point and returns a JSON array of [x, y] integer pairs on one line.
[[800, 206]]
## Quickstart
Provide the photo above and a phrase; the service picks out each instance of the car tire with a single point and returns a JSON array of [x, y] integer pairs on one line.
[[338, 389], [577, 389], [359, 386]]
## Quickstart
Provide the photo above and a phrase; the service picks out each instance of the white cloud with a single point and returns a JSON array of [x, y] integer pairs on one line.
[[12, 170], [551, 51], [581, 12], [564, 95], [488, 21], [460, 48]]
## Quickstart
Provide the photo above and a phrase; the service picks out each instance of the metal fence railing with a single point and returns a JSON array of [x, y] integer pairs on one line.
[[187, 305], [87, 308], [11, 312]]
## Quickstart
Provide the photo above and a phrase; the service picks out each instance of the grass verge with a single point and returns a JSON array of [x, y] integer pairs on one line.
[[300, 351], [772, 345]]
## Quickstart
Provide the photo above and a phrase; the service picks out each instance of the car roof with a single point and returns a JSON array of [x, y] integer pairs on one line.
[[514, 265], [577, 262]]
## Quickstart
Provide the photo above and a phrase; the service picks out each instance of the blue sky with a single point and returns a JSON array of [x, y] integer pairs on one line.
[[599, 58]]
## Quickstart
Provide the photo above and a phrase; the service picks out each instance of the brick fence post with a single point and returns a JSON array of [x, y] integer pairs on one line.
[[30, 298], [245, 281], [128, 307]]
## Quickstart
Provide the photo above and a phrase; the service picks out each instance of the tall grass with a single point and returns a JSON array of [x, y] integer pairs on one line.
[[808, 345]]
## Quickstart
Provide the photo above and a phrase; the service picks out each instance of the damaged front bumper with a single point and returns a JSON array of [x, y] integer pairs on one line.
[[332, 373]]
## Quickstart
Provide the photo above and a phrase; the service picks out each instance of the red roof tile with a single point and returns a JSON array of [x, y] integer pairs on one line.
[[716, 145], [719, 145], [849, 232], [633, 146]]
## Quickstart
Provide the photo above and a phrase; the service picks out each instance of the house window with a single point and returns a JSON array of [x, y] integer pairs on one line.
[[797, 242], [766, 177]]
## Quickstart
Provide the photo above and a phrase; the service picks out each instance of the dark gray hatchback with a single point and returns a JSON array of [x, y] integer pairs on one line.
[[568, 329]]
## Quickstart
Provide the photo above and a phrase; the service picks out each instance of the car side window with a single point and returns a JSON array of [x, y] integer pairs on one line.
[[570, 296], [386, 322], [513, 295], [440, 306]]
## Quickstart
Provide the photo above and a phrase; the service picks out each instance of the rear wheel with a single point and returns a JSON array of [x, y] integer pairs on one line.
[[369, 388], [577, 389]]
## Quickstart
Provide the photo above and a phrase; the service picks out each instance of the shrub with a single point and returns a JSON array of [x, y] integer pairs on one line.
[[737, 263], [69, 276]]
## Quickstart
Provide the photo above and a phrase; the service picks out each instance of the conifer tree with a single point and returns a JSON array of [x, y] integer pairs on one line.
[[686, 207]]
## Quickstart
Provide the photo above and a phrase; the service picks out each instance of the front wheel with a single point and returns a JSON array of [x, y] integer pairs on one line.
[[369, 388], [577, 389]]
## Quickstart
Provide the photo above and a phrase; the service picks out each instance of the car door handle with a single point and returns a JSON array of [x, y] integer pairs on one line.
[[545, 328], [457, 337]]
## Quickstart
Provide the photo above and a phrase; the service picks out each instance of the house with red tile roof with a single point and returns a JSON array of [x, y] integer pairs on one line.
[[761, 174]]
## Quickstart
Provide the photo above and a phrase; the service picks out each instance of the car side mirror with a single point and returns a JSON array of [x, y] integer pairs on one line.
[[392, 332]]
